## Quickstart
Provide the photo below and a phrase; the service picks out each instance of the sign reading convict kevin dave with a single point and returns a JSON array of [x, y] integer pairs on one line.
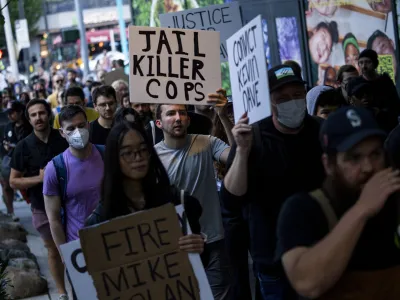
[[173, 65], [248, 72]]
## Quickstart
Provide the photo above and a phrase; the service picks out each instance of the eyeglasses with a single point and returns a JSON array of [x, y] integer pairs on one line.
[[131, 155]]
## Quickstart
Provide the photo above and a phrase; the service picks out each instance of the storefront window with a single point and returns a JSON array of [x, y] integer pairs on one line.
[[288, 39]]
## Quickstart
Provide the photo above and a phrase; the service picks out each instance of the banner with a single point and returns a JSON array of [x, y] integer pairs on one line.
[[83, 282], [339, 30], [173, 66], [224, 18], [248, 72]]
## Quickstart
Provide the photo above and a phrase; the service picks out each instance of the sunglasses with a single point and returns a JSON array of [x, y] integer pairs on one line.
[[59, 81]]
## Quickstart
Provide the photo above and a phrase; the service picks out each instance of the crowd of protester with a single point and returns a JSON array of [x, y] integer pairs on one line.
[[309, 193]]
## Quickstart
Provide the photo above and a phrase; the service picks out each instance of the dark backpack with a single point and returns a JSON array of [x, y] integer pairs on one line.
[[62, 177]]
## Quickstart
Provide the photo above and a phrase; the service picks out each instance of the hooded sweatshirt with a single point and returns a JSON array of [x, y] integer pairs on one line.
[[313, 95]]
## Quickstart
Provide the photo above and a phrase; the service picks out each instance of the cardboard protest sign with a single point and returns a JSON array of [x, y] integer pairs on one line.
[[224, 18], [115, 75], [173, 66], [83, 283], [138, 257], [248, 72], [386, 66], [76, 266]]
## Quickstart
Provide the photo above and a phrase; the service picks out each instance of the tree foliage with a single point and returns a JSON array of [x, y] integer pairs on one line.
[[33, 12]]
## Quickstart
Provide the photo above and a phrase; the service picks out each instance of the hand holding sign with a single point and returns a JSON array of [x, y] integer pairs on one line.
[[243, 134], [218, 101], [193, 243]]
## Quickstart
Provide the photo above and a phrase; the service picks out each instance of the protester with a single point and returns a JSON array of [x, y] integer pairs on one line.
[[125, 101], [60, 102], [17, 129], [27, 170], [71, 79], [76, 194], [143, 109], [283, 158], [126, 114], [105, 103], [58, 85], [121, 87], [135, 180], [188, 160], [75, 96], [345, 229], [24, 98], [322, 100], [361, 93], [344, 75]]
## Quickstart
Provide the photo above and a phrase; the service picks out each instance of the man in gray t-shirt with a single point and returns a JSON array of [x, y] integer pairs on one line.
[[188, 160]]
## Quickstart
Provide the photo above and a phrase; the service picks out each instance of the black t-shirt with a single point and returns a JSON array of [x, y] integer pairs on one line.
[[31, 155], [302, 223], [280, 165], [199, 124], [98, 134]]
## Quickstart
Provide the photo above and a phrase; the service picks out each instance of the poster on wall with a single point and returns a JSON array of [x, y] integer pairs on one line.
[[339, 30]]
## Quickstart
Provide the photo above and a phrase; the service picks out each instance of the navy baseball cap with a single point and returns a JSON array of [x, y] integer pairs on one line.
[[282, 75], [347, 127]]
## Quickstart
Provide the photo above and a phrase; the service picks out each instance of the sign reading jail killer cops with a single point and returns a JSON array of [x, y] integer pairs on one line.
[[137, 257], [386, 66], [248, 72], [173, 65], [224, 18]]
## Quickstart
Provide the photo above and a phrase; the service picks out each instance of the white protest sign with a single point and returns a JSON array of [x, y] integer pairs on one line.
[[248, 72], [224, 18], [172, 65], [22, 34], [83, 283]]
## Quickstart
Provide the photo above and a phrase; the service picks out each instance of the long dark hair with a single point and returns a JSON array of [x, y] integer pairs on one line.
[[156, 184]]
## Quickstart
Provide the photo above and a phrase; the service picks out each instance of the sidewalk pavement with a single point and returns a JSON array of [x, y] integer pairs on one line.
[[35, 243]]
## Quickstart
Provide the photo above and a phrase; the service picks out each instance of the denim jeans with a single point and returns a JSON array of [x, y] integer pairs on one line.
[[216, 264], [275, 288]]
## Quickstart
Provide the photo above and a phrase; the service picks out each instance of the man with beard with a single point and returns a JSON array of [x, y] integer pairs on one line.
[[30, 157], [105, 103], [282, 159], [345, 74], [338, 242], [143, 109], [188, 159]]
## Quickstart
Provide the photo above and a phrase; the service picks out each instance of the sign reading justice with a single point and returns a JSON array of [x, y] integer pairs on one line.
[[137, 257], [224, 18], [172, 65]]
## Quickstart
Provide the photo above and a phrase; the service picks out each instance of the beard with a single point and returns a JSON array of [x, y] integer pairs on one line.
[[344, 194]]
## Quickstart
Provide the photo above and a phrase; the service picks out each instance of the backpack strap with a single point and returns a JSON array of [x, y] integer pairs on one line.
[[326, 207], [61, 172], [101, 149]]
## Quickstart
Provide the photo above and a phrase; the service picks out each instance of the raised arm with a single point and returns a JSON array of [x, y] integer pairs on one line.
[[235, 181]]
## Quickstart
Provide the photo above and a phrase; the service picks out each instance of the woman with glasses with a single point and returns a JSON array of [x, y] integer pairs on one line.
[[135, 180]]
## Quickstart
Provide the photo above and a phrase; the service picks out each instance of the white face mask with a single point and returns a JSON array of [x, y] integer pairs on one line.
[[78, 138], [292, 113]]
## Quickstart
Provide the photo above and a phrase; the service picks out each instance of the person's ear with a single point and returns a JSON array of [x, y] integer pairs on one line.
[[327, 166], [62, 133], [158, 124]]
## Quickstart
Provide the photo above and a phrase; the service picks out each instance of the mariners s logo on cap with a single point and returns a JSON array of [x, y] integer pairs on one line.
[[353, 118], [284, 72]]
